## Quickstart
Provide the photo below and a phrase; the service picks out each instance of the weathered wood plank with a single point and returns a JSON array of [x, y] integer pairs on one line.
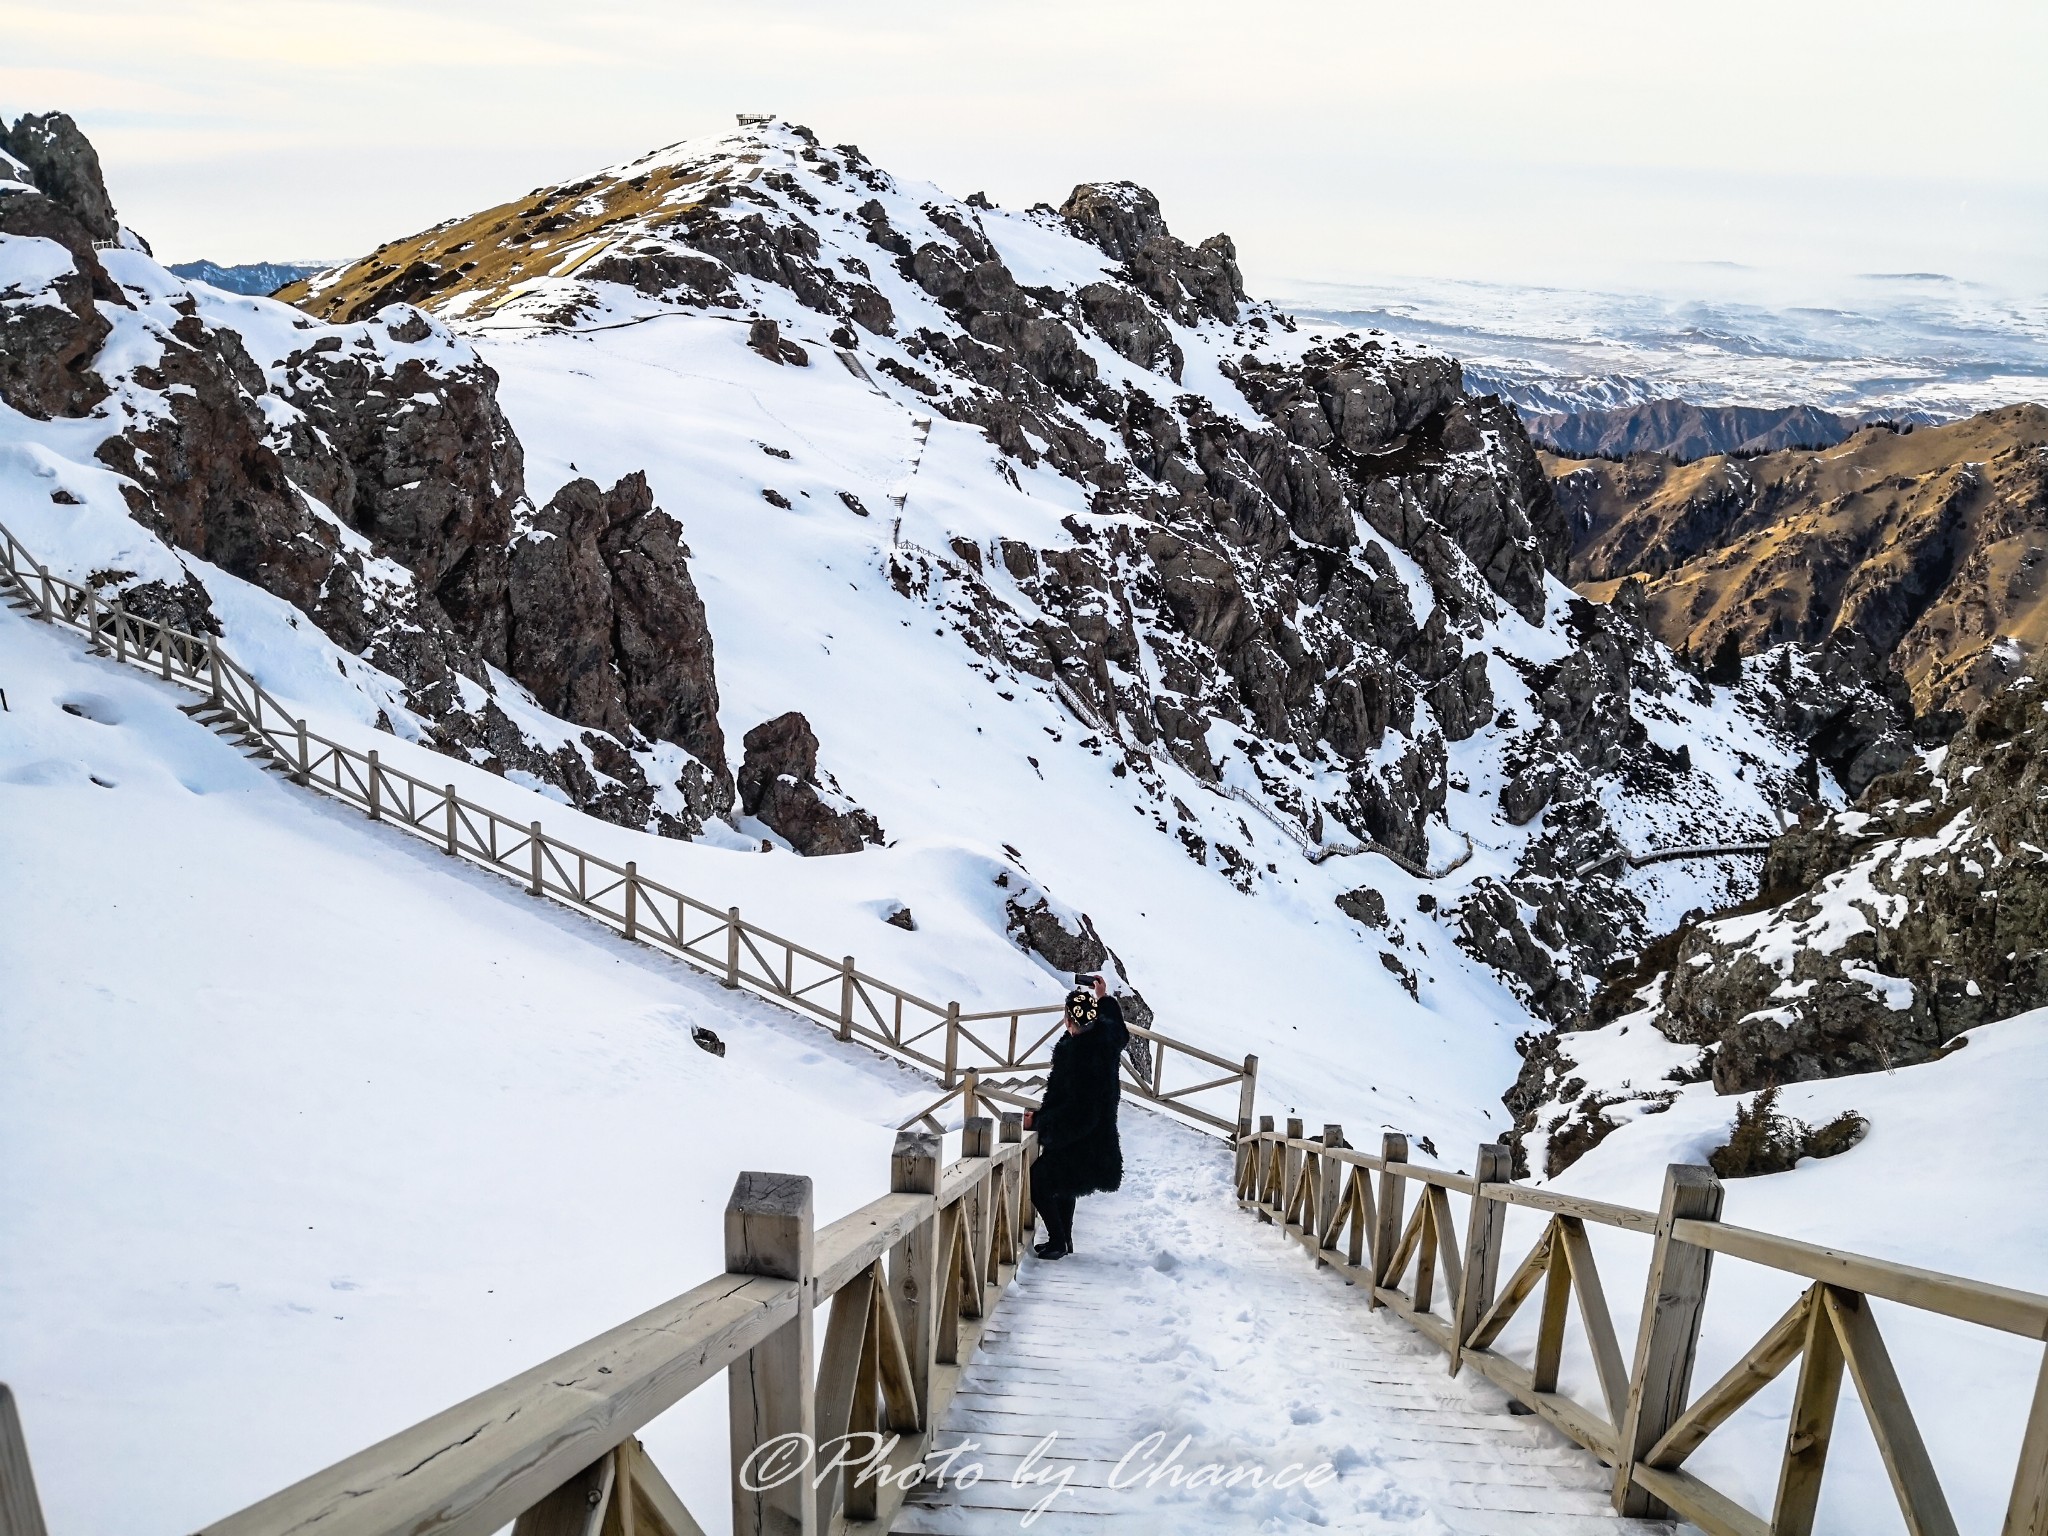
[[1971, 1301], [1921, 1500], [21, 1513], [1762, 1365], [1668, 1339], [1811, 1429]]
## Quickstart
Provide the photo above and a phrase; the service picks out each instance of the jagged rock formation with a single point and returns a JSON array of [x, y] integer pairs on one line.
[[1930, 544], [367, 476], [781, 784], [1892, 928], [1880, 933], [1682, 431], [64, 166]]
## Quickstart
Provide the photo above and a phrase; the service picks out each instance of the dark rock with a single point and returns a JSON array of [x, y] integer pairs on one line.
[[608, 630], [66, 169], [49, 336], [1189, 282], [1038, 928], [780, 783], [901, 918], [1364, 905], [707, 1040]]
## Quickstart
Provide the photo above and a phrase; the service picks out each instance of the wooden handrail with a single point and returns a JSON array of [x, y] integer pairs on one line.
[[1647, 1430], [621, 897], [506, 1452]]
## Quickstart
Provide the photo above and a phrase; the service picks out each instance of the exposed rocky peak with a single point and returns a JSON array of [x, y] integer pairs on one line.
[[51, 329], [1297, 581], [64, 167], [1189, 282]]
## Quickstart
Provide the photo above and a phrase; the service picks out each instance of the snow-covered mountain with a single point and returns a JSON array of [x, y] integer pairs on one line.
[[1116, 617], [743, 504]]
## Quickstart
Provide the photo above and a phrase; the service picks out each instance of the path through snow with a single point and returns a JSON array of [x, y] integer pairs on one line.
[[1179, 1316]]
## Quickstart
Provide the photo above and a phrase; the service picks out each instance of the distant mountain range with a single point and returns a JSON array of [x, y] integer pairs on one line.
[[260, 277], [1686, 431]]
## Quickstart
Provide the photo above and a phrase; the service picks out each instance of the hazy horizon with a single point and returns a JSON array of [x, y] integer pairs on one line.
[[1596, 145]]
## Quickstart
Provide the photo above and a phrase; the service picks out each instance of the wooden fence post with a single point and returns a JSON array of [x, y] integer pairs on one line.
[[2027, 1514], [453, 822], [1267, 1153], [978, 1139], [1247, 1091], [1673, 1299], [120, 632], [1393, 1193], [952, 1045], [375, 812], [1484, 1226], [732, 947], [970, 1094], [163, 647], [535, 887], [213, 669], [846, 998], [632, 898], [21, 1513], [305, 773], [92, 625], [769, 1393], [1329, 1185], [914, 1263], [1290, 1169]]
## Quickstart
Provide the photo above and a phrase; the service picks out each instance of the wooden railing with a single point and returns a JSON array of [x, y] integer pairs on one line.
[[1412, 1259], [911, 1280], [1210, 1090]]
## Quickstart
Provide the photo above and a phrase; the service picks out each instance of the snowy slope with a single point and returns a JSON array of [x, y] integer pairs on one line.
[[1943, 1180], [310, 1132], [902, 634]]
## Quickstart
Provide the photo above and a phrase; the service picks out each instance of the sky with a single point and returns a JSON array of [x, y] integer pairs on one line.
[[1580, 142]]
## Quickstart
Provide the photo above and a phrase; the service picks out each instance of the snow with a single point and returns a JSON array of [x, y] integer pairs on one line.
[[1937, 1183], [312, 1132]]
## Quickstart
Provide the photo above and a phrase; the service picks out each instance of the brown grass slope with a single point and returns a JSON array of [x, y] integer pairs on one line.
[[1930, 544]]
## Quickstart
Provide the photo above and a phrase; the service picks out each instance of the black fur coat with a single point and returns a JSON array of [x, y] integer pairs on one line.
[[1080, 1153]]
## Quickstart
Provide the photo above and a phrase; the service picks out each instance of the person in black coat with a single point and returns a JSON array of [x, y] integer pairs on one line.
[[1079, 1153]]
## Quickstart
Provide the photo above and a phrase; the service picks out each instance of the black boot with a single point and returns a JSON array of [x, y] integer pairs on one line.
[[1057, 1211]]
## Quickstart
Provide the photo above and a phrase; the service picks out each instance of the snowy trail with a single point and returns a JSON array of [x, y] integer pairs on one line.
[[1180, 1316]]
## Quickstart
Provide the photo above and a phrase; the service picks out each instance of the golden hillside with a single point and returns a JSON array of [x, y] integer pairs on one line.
[[1932, 544]]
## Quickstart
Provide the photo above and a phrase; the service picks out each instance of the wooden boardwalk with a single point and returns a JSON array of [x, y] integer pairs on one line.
[[1179, 1318]]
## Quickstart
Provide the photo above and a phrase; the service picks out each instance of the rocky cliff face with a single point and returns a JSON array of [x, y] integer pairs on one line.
[[1879, 934], [1930, 546], [366, 475]]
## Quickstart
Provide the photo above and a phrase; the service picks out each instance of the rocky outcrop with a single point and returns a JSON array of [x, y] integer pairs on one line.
[[1895, 927], [607, 629], [65, 168], [406, 444], [50, 329], [369, 479], [781, 784], [1188, 282]]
